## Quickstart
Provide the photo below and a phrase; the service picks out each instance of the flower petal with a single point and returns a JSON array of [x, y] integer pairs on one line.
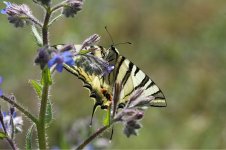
[[59, 67], [52, 61], [8, 4], [67, 54], [69, 61], [3, 11]]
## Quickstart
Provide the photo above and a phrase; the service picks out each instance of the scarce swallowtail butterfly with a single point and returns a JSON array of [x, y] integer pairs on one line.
[[124, 72]]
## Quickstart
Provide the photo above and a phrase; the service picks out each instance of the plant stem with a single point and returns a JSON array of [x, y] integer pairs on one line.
[[42, 115], [11, 143], [92, 137], [41, 127], [45, 27], [20, 108], [57, 7]]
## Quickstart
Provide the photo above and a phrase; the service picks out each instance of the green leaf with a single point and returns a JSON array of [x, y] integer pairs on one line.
[[46, 76], [2, 135], [49, 114], [37, 36], [107, 119], [37, 87], [29, 138]]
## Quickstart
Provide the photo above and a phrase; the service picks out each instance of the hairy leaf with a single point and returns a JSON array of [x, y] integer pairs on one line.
[[37, 87], [29, 138], [37, 36]]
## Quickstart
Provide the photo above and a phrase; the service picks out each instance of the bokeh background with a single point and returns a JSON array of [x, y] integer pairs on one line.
[[180, 44]]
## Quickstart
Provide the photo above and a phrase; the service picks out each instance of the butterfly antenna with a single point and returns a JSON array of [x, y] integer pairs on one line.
[[109, 35], [122, 43], [113, 44]]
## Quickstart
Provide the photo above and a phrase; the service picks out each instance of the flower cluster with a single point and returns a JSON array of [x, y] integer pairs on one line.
[[133, 111], [54, 58], [19, 15], [72, 7]]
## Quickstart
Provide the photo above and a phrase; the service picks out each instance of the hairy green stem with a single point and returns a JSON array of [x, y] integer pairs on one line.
[[92, 137], [41, 129], [20, 108], [41, 126]]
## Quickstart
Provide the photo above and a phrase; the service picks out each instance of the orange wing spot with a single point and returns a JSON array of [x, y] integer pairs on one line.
[[107, 95]]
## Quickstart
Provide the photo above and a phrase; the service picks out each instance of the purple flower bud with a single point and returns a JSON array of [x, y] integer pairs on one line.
[[131, 128], [91, 40], [43, 57], [72, 7]]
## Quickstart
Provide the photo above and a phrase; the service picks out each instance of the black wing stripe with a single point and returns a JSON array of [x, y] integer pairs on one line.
[[143, 82], [136, 71], [151, 84], [158, 95], [127, 75]]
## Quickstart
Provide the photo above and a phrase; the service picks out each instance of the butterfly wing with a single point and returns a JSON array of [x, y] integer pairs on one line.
[[125, 72], [132, 78]]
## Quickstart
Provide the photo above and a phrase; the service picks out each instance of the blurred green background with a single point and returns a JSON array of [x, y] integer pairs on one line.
[[180, 44]]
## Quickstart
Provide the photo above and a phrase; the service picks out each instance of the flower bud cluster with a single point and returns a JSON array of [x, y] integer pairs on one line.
[[19, 15], [133, 111], [72, 7]]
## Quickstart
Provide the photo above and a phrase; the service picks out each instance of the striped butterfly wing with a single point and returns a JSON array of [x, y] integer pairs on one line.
[[125, 72], [132, 78], [91, 80]]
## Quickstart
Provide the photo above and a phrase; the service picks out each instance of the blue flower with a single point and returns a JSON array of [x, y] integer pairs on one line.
[[8, 4], [61, 58], [1, 83]]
